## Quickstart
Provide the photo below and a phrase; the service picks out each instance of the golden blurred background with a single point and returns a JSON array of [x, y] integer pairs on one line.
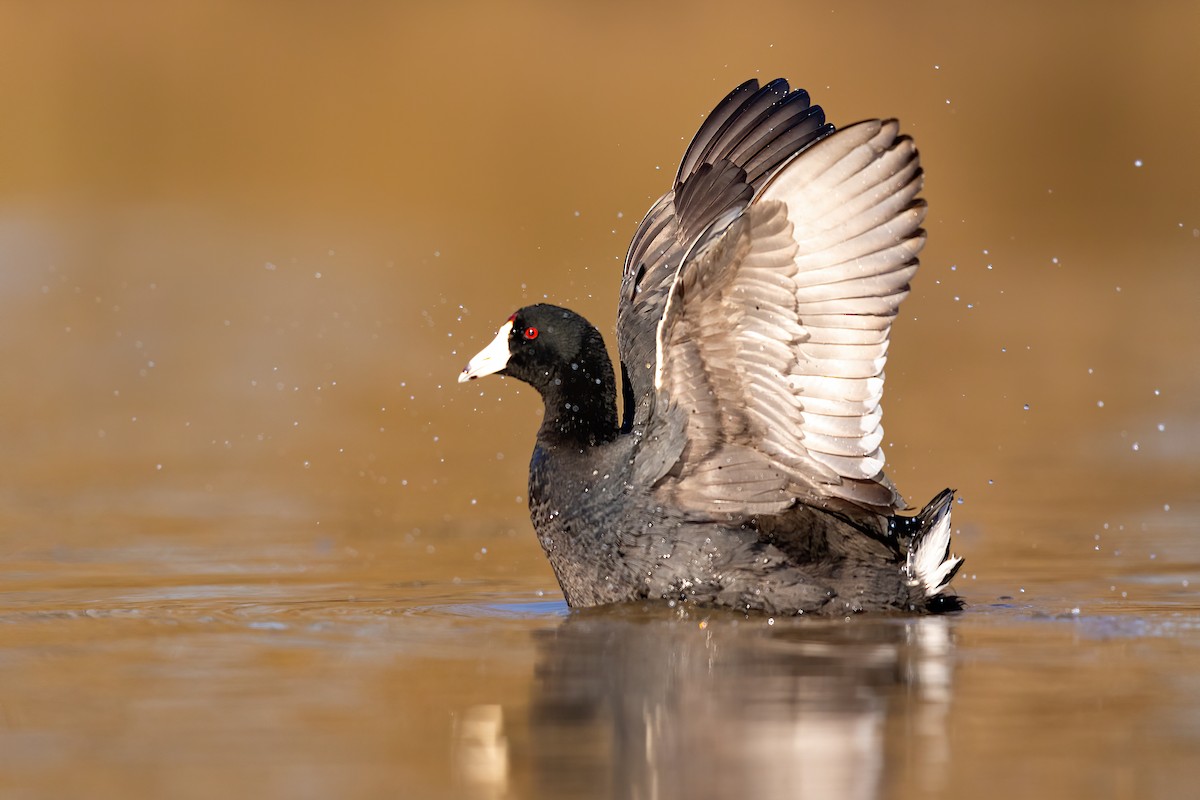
[[247, 247]]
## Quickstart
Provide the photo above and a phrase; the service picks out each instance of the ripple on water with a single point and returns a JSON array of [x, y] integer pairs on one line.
[[498, 609]]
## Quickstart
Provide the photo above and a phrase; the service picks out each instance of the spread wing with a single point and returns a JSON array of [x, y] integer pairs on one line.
[[771, 346], [741, 143]]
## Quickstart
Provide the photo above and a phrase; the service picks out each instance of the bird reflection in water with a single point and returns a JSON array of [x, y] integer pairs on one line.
[[632, 702]]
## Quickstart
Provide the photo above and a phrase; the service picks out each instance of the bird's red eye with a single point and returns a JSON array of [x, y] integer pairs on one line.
[[531, 333]]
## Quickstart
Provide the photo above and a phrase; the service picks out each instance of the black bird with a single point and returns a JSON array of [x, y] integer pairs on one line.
[[756, 301]]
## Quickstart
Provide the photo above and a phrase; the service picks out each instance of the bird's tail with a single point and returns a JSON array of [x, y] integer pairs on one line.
[[930, 565]]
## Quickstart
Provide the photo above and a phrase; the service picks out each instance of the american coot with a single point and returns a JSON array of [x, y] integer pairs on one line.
[[752, 327]]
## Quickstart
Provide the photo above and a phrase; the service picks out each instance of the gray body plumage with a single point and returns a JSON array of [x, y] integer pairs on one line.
[[610, 539]]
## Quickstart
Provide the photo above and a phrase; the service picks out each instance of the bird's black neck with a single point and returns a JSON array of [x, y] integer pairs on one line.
[[580, 398]]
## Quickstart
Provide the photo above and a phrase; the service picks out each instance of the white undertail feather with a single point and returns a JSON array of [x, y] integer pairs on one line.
[[930, 563]]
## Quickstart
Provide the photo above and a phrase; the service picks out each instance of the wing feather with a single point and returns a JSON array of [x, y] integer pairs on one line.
[[740, 145], [774, 333]]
